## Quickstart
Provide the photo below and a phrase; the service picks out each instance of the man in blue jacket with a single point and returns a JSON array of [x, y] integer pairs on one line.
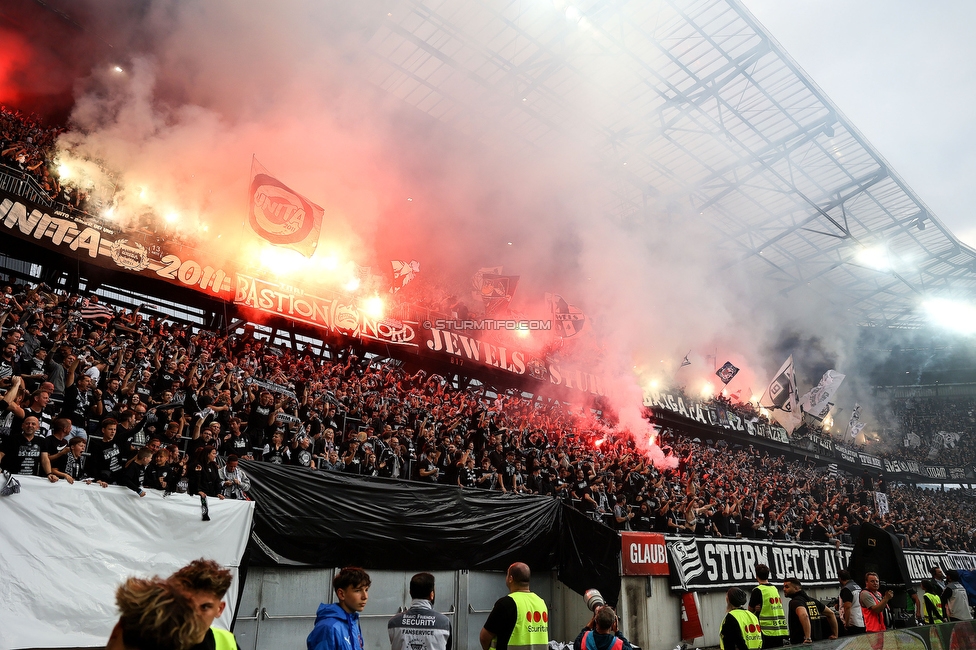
[[337, 625]]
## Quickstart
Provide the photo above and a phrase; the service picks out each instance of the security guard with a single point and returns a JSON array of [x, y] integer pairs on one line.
[[766, 603], [520, 620], [933, 603], [740, 629]]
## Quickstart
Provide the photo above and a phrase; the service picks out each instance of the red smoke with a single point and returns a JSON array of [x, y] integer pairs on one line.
[[43, 52], [15, 57]]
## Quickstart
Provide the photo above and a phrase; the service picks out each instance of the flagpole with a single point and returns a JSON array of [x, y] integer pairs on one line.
[[247, 203]]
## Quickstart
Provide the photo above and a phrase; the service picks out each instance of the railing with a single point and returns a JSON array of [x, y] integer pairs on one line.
[[23, 185]]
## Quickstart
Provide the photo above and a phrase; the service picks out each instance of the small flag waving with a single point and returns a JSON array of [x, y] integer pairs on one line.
[[780, 397], [280, 215], [855, 425], [479, 279], [92, 309], [497, 290], [816, 402], [727, 372], [569, 320], [881, 503], [403, 272], [685, 361]]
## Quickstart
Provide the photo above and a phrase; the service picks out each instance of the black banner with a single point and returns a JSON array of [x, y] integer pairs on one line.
[[727, 420], [331, 519], [703, 564], [700, 564]]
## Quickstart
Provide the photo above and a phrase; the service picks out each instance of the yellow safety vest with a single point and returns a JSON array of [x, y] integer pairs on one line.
[[748, 626], [224, 640], [937, 604], [772, 617], [531, 622]]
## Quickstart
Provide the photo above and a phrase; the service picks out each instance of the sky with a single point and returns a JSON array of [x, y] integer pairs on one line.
[[904, 73]]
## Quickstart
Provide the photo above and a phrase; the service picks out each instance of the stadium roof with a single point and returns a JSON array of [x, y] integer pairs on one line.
[[687, 99]]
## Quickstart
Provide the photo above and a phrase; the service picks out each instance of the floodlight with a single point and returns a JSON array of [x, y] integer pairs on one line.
[[876, 257], [954, 315]]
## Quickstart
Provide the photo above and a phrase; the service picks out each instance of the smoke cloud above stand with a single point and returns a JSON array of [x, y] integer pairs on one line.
[[185, 93]]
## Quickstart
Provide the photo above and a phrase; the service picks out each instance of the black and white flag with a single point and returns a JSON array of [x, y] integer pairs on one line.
[[817, 401], [727, 372], [780, 397], [687, 560], [855, 425]]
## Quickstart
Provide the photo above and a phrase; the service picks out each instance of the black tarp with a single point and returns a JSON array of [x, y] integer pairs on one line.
[[332, 519]]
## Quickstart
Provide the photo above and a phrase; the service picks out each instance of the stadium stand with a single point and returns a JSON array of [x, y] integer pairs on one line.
[[182, 390]]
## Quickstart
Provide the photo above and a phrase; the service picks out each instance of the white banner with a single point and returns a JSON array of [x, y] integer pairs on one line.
[[817, 401], [881, 503], [64, 549], [780, 397]]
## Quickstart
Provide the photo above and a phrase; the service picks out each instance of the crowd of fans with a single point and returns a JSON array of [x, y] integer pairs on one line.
[[28, 146], [940, 430], [114, 396]]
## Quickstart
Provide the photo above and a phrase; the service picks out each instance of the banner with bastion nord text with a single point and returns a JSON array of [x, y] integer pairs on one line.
[[159, 256]]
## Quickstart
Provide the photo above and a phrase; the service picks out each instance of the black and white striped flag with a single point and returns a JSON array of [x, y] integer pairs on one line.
[[687, 560], [91, 310]]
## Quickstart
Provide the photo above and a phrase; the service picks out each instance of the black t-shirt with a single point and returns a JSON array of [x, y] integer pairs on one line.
[[301, 457], [468, 477], [110, 402], [644, 522], [277, 455], [846, 596], [428, 466], [156, 475], [105, 460], [197, 443], [257, 419], [487, 478], [134, 476], [8, 368], [508, 471], [76, 403], [20, 455], [165, 381], [814, 611], [44, 419], [51, 446], [235, 445], [143, 391], [581, 488], [501, 621]]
